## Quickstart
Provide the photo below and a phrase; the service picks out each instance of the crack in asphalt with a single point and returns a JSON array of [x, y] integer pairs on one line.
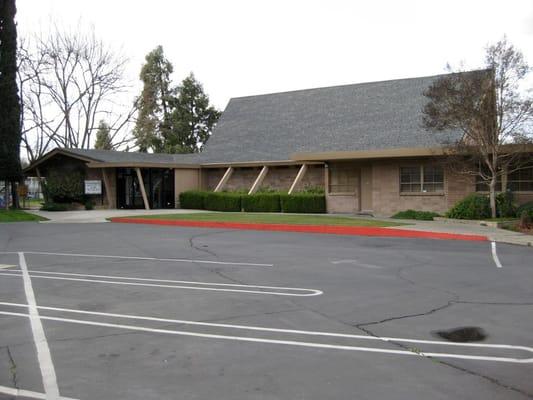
[[12, 368], [216, 271]]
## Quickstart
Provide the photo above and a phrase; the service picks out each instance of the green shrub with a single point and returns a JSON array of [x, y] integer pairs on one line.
[[225, 201], [312, 190], [527, 208], [193, 199], [64, 186], [504, 205], [303, 203], [474, 206], [89, 204], [50, 206], [525, 220], [261, 202], [418, 215]]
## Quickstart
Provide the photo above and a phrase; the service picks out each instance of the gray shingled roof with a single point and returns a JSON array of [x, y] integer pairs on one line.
[[122, 156], [365, 116], [270, 127]]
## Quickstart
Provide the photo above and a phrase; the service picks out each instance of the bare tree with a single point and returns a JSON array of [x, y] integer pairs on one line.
[[491, 111], [69, 82]]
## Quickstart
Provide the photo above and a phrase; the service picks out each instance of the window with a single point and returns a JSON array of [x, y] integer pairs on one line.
[[521, 180], [342, 179], [483, 186], [421, 179]]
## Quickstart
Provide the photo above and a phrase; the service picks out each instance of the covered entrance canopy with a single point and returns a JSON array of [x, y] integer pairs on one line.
[[158, 188]]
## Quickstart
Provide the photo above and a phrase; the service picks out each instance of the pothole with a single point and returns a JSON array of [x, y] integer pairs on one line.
[[463, 334]]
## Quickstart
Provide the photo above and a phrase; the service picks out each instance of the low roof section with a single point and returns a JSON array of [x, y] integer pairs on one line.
[[109, 158]]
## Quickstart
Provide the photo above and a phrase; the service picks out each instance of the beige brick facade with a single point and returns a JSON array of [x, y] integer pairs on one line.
[[277, 178]]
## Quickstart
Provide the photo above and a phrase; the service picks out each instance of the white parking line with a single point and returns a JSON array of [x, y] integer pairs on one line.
[[39, 274], [289, 331], [27, 393], [43, 351], [495, 255], [240, 264]]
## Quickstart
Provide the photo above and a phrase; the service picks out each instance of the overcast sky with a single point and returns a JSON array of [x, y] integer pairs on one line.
[[239, 48]]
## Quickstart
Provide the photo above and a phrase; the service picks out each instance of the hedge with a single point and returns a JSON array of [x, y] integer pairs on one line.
[[303, 203], [418, 215], [193, 199], [261, 202], [224, 201]]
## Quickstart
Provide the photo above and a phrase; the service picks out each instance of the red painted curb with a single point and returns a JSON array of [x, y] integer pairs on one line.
[[327, 229]]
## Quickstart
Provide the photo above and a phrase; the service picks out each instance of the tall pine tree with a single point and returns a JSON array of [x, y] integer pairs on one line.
[[10, 130], [103, 137], [153, 122], [193, 118]]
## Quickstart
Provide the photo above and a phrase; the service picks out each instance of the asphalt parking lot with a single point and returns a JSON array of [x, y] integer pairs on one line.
[[113, 311]]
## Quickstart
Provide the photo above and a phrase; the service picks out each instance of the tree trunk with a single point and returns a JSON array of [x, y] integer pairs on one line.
[[492, 196]]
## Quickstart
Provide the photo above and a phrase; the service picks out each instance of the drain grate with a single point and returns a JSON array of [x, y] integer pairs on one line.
[[463, 334]]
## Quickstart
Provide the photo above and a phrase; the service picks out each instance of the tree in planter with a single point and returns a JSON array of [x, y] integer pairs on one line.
[[10, 132], [493, 115]]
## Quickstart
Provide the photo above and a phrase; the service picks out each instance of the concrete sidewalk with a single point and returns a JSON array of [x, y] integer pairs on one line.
[[493, 234], [98, 216]]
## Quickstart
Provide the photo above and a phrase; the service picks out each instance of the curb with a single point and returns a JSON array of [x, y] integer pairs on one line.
[[323, 229]]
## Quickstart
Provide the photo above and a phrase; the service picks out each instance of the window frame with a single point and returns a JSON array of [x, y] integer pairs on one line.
[[348, 169], [520, 180], [422, 181]]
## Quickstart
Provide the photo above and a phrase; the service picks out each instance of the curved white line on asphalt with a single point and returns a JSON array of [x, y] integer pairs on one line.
[[312, 292], [151, 259], [495, 255], [289, 331], [284, 342], [30, 394]]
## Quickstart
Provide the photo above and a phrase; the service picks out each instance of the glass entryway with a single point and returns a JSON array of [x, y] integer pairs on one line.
[[158, 183]]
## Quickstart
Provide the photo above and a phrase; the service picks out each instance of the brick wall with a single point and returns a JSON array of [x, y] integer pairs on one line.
[[278, 178]]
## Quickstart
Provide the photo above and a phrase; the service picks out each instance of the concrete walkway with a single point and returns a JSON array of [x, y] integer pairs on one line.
[[493, 234], [97, 216]]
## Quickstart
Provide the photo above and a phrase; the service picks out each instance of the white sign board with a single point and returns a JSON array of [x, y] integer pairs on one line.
[[93, 187]]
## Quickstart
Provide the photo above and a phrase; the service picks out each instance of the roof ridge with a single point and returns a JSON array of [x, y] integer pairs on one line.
[[359, 84]]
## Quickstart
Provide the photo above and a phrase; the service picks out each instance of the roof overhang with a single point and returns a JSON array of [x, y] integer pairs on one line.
[[258, 164], [129, 164], [368, 154], [53, 153]]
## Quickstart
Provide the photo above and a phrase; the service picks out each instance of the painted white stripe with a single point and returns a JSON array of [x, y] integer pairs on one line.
[[277, 330], [26, 393], [245, 264], [43, 351], [311, 292], [495, 255], [4, 266], [283, 342]]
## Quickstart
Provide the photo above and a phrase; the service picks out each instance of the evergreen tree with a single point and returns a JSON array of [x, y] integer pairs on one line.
[[153, 122], [10, 131], [103, 137], [193, 118]]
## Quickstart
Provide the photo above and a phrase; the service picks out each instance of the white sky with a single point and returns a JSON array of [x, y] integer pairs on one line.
[[239, 48]]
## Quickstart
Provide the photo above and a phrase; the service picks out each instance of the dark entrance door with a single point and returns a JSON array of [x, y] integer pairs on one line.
[[158, 183]]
